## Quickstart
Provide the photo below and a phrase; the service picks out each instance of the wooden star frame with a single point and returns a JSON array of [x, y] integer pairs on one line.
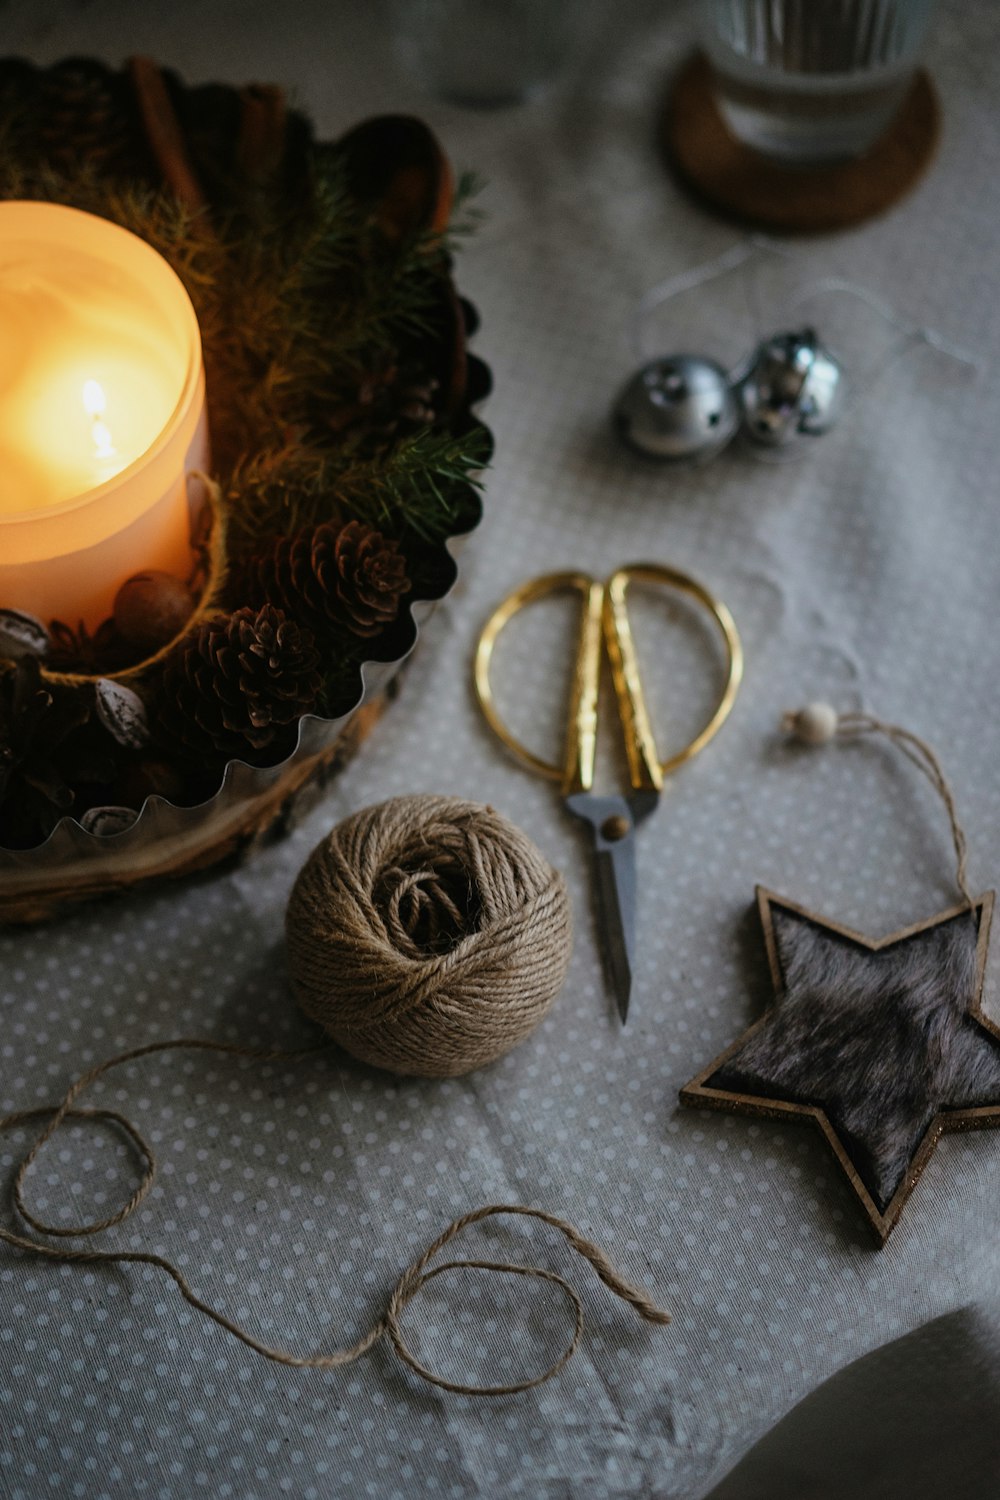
[[700, 1092]]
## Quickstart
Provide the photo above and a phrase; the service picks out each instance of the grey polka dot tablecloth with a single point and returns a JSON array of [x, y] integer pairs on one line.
[[291, 1196]]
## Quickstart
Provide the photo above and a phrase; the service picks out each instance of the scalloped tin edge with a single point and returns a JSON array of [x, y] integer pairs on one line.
[[71, 854]]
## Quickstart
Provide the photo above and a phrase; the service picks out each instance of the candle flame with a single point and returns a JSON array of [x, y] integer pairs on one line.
[[95, 404], [103, 446]]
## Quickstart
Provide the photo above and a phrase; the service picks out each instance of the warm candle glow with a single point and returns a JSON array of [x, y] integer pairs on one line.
[[95, 404], [63, 335], [101, 411]]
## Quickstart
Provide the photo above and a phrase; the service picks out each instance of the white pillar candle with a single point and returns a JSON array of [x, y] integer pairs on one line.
[[102, 412]]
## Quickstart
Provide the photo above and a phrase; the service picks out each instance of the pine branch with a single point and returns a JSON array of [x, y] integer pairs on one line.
[[324, 343], [421, 486], [316, 332], [466, 216]]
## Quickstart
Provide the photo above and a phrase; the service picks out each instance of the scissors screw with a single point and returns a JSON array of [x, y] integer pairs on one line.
[[614, 828]]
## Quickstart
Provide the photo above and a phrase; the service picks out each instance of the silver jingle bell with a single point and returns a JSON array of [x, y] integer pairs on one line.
[[794, 387], [681, 408]]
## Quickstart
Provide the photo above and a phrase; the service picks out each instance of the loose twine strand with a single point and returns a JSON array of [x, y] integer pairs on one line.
[[918, 753], [409, 1284]]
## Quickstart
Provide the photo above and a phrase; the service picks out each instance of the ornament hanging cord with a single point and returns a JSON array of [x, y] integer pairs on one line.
[[911, 335], [819, 723], [744, 256], [409, 1284]]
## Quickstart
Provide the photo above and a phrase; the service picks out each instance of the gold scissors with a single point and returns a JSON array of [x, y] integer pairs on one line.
[[612, 819]]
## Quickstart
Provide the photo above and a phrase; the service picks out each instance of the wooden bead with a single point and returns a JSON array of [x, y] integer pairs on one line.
[[815, 724]]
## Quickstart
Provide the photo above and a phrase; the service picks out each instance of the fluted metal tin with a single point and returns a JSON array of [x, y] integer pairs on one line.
[[164, 841]]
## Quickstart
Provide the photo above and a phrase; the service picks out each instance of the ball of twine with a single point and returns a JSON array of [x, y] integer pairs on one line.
[[428, 935]]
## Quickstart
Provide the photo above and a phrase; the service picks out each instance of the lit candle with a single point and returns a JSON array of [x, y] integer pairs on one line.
[[102, 412]]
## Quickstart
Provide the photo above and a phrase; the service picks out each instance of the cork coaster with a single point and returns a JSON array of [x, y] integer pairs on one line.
[[751, 187]]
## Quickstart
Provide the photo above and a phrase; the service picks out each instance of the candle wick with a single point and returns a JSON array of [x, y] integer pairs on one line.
[[94, 400], [95, 404], [103, 445]]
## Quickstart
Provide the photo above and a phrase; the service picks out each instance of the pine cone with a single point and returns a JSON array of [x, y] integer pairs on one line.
[[349, 577], [383, 401], [237, 683]]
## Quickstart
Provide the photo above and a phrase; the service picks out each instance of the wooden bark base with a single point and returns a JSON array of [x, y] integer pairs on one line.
[[228, 839], [755, 189]]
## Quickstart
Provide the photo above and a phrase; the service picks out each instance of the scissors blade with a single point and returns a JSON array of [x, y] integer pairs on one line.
[[616, 895], [613, 823]]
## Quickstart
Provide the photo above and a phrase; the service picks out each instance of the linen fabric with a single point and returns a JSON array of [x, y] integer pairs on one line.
[[866, 573]]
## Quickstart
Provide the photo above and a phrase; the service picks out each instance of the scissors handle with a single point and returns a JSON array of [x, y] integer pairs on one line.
[[581, 729], [683, 583], [576, 773], [644, 769], [605, 611]]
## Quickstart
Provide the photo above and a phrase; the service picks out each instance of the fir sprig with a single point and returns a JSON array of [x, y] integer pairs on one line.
[[421, 485], [325, 340], [293, 312], [466, 215]]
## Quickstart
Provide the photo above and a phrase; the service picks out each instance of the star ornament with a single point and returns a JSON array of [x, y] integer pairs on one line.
[[881, 1043]]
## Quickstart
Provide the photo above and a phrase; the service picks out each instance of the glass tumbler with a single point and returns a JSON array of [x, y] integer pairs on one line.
[[812, 81]]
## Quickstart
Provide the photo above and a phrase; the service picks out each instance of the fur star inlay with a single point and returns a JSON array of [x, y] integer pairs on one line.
[[881, 1043]]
